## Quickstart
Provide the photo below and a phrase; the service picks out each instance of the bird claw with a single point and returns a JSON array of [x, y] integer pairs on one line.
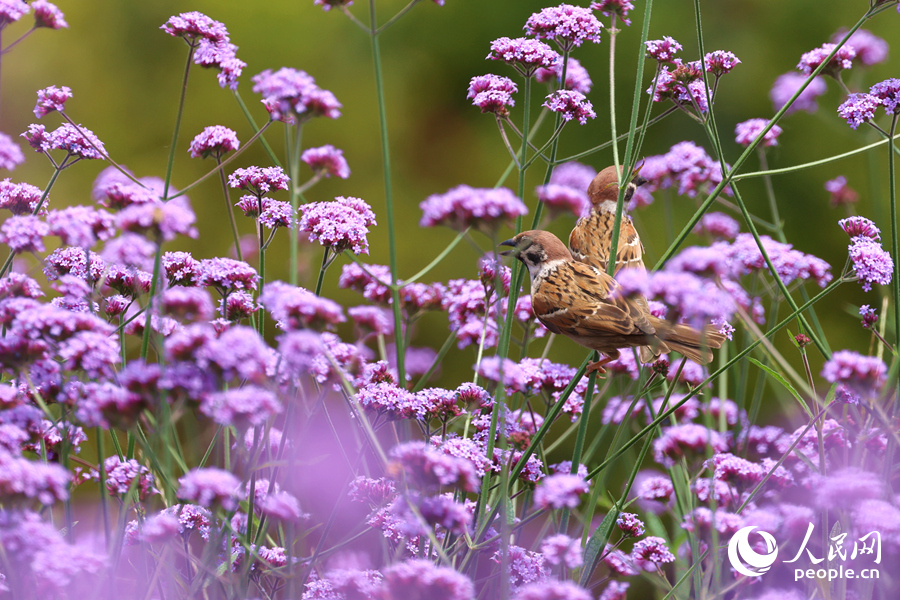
[[596, 367]]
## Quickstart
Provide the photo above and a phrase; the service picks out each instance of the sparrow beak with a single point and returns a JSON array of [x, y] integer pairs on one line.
[[508, 243], [638, 181]]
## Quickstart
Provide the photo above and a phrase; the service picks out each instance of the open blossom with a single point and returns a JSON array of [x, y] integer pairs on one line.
[[630, 524], [51, 99], [226, 274], [326, 160], [48, 15], [786, 85], [571, 105], [620, 8], [221, 55], [20, 198], [295, 308], [811, 60], [465, 206], [242, 407], [81, 226], [340, 225], [663, 51], [718, 225], [858, 109], [194, 25], [259, 181], [76, 141], [422, 579], [888, 94], [289, 94], [870, 262], [24, 233], [209, 487], [11, 11], [213, 141], [840, 192], [10, 153], [577, 77], [651, 552], [492, 93], [860, 375], [749, 130], [122, 476], [680, 440], [569, 26], [870, 49], [159, 220], [860, 226], [524, 54], [720, 62], [559, 491]]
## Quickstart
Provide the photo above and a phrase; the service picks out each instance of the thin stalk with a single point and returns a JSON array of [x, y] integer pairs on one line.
[[580, 437], [229, 210], [101, 469], [154, 283], [459, 237], [293, 161], [40, 204], [256, 129], [179, 115]]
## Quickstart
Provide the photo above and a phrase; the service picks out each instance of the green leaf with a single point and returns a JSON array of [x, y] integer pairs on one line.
[[597, 543], [777, 377]]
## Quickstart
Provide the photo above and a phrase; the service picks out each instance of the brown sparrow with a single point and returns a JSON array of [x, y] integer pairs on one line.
[[581, 302], [591, 238]]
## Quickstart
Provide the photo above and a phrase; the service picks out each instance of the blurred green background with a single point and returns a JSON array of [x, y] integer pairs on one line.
[[125, 74]]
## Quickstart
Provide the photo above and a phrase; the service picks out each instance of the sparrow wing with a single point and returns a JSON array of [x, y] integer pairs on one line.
[[589, 241]]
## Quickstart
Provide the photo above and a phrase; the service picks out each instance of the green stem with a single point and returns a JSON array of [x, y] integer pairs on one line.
[[101, 469], [459, 237], [40, 204], [322, 270], [256, 129], [179, 115], [230, 211], [580, 437], [154, 284], [396, 17], [293, 161]]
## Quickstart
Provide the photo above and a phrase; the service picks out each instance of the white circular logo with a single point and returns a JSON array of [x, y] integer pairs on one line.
[[740, 552]]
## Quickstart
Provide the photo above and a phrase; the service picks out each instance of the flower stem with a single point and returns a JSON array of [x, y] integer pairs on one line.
[[180, 114], [230, 211]]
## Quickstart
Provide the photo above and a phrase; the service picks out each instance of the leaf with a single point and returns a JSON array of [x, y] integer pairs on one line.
[[777, 377], [597, 543]]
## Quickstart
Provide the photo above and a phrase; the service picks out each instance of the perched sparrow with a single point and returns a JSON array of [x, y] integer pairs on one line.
[[591, 239], [581, 302]]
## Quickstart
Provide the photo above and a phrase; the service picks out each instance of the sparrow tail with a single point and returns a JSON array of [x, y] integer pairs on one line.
[[686, 340]]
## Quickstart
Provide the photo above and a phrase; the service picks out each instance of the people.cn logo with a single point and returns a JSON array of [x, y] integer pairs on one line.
[[745, 559]]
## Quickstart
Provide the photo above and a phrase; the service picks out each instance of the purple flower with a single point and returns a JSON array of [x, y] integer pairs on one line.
[[843, 59], [372, 318], [870, 317], [571, 105], [858, 109], [11, 11], [860, 226], [209, 487], [192, 304], [329, 4], [615, 590], [181, 268], [387, 399], [48, 15], [160, 528], [492, 93], [656, 488], [421, 579], [870, 262], [558, 549], [222, 56], [295, 308], [81, 226], [24, 233], [10, 153], [523, 54], [560, 490], [609, 8], [243, 407], [790, 264], [121, 477], [214, 141], [226, 274], [876, 515], [720, 62], [23, 480], [259, 181], [870, 49], [76, 141], [663, 51], [577, 77], [240, 352], [20, 198], [847, 487], [718, 225], [161, 221], [524, 566], [840, 192], [288, 93], [786, 85], [373, 491], [748, 131], [326, 160], [569, 26], [340, 225], [859, 375], [888, 94], [93, 352], [551, 590], [679, 440], [651, 552], [428, 468], [194, 25], [630, 525], [237, 305], [464, 206], [371, 283], [50, 99], [561, 199]]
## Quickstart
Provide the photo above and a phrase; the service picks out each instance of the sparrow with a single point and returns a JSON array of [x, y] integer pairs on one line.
[[591, 238], [585, 304]]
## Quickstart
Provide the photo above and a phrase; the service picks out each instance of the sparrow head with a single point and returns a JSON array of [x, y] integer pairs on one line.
[[604, 189], [540, 251]]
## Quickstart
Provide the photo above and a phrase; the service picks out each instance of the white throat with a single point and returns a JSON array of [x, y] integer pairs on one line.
[[541, 271]]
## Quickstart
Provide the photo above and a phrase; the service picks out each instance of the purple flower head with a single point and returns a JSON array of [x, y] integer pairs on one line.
[[81, 226], [93, 352], [786, 85], [372, 319], [680, 440], [276, 213], [188, 303], [326, 160], [50, 99], [620, 8], [259, 181], [340, 225], [888, 94], [209, 487], [23, 480], [663, 51], [372, 282], [630, 524], [870, 49], [870, 262], [860, 226], [160, 528], [237, 305], [559, 549], [861, 376], [843, 59], [329, 4], [559, 491], [562, 199], [226, 274], [551, 590], [858, 109], [121, 477], [569, 26], [48, 15], [749, 130], [195, 25], [290, 93], [869, 316], [718, 225], [615, 590], [465, 206], [790, 264], [844, 488], [429, 468], [160, 221], [10, 153], [11, 11], [240, 352], [214, 141], [243, 407], [221, 56], [840, 192], [24, 233], [422, 579], [20, 198], [523, 54], [571, 105], [389, 400], [651, 552], [76, 141], [577, 77], [720, 62], [296, 308], [524, 566], [657, 487], [181, 268]]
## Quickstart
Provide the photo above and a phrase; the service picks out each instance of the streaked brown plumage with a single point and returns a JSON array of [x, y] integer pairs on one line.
[[579, 301]]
